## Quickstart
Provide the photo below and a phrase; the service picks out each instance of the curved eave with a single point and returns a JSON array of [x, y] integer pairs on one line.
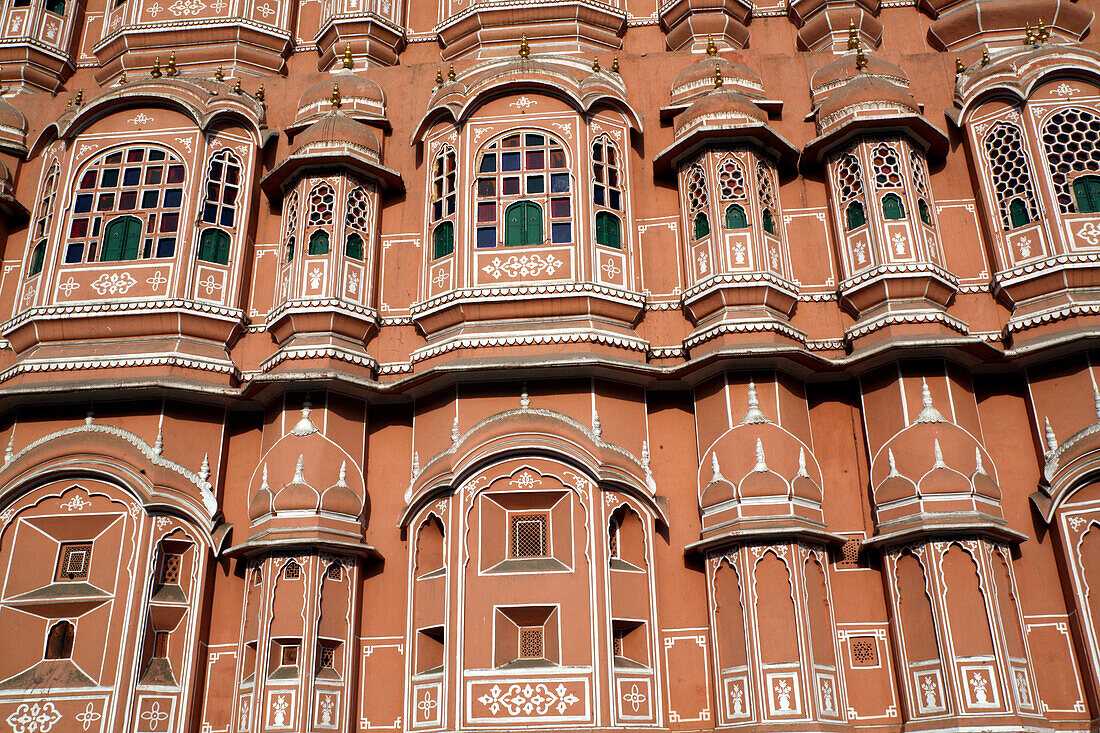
[[197, 103], [460, 105], [368, 118], [1005, 78], [932, 527], [794, 531], [921, 131], [14, 211], [274, 183], [761, 135], [307, 542]]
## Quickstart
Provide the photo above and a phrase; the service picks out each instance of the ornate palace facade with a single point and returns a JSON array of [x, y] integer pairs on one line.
[[591, 364]]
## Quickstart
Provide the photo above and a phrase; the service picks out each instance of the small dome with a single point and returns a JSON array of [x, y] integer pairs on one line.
[[336, 130], [11, 118], [296, 495], [894, 488], [357, 94], [844, 68], [863, 92], [804, 487], [260, 505], [698, 79], [340, 499], [720, 108], [717, 492]]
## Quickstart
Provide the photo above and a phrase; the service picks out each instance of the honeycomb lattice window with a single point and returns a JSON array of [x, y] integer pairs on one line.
[[886, 166], [849, 178], [328, 657], [617, 643], [731, 179], [321, 203], [258, 576], [170, 575], [73, 561], [1004, 147], [765, 186], [696, 188], [864, 651], [920, 177], [444, 183], [292, 571], [290, 215], [613, 538], [849, 553], [1072, 141], [358, 212], [531, 643], [334, 572], [528, 535]]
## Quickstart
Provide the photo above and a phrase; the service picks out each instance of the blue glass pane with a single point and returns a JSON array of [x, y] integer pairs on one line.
[[509, 161], [487, 237], [83, 203], [488, 163], [559, 182], [131, 177], [74, 252], [561, 233]]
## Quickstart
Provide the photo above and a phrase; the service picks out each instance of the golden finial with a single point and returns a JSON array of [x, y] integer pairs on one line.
[[155, 73], [79, 97], [524, 49], [172, 70], [69, 103], [219, 75], [1044, 34], [985, 58], [347, 56], [451, 73], [718, 76], [712, 50], [438, 77], [336, 99], [615, 64], [1029, 36], [237, 85], [861, 60], [122, 79], [959, 68], [595, 65], [853, 36], [261, 93]]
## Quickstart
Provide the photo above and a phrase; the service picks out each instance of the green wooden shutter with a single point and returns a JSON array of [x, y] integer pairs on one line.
[[443, 240], [892, 207], [1086, 190], [608, 230], [214, 247], [1017, 213], [38, 258], [318, 243], [354, 247], [702, 225], [532, 223], [513, 225], [736, 217], [768, 221], [854, 215], [121, 240]]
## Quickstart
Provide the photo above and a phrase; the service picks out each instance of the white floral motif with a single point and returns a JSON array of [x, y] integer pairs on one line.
[[978, 684], [441, 276], [315, 278], [185, 141], [861, 255], [783, 694], [265, 10], [634, 698], [155, 10], [113, 283], [187, 7], [210, 284], [1076, 523], [525, 480], [427, 704], [154, 715], [51, 31], [17, 24], [1024, 243], [522, 266], [75, 504], [28, 295], [140, 119], [88, 717], [610, 269], [279, 706], [736, 697], [1022, 691], [353, 283], [1090, 233], [523, 103], [34, 718], [773, 257], [739, 254], [827, 696], [703, 263], [1064, 90], [928, 687], [219, 6], [899, 243], [528, 699], [327, 704], [156, 280]]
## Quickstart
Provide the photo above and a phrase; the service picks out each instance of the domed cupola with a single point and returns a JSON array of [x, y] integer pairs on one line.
[[931, 477], [13, 129], [698, 80], [300, 512], [361, 98], [760, 480]]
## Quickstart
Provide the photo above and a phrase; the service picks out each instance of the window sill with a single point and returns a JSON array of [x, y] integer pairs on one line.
[[529, 565], [528, 664], [617, 564]]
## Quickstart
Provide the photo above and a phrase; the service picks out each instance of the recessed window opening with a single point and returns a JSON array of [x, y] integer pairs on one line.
[[523, 189], [528, 535]]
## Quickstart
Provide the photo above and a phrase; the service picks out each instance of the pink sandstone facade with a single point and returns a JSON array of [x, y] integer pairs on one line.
[[489, 365]]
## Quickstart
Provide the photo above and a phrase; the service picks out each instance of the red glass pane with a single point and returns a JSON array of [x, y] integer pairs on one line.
[[559, 208], [153, 175], [536, 160], [169, 222], [557, 158], [88, 181], [510, 186], [135, 156], [486, 211], [512, 141], [175, 174], [127, 201], [79, 228]]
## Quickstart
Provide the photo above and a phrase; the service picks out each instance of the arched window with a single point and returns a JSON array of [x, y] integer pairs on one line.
[[318, 243], [920, 178], [59, 641], [925, 214], [608, 230], [353, 247], [223, 186], [607, 185], [55, 6], [443, 240], [522, 178], [121, 239], [143, 184], [1071, 138], [1018, 213], [214, 246], [765, 188], [522, 224], [290, 250], [701, 225], [358, 220], [892, 207], [45, 214], [886, 166], [1086, 194], [38, 258], [444, 178], [768, 221], [854, 215], [736, 217], [290, 222], [1004, 148]]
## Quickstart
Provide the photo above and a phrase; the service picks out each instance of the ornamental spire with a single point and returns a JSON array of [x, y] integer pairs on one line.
[[853, 36], [524, 49], [336, 99], [928, 412], [712, 50], [760, 466], [156, 73], [715, 472], [343, 480], [172, 70], [299, 477], [1048, 433], [347, 56], [753, 415]]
